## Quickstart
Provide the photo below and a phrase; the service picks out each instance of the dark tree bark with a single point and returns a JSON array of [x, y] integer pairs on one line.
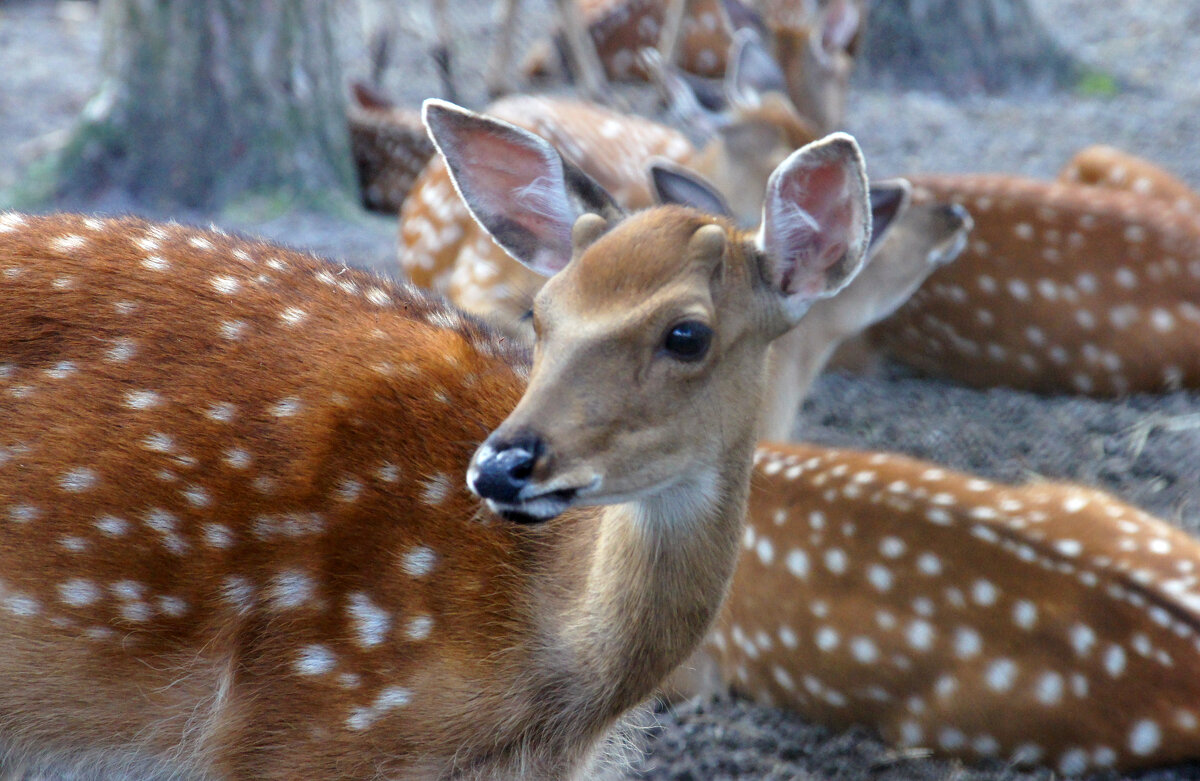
[[963, 46], [205, 102]]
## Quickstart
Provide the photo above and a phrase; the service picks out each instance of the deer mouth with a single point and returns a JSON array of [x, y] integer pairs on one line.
[[535, 509]]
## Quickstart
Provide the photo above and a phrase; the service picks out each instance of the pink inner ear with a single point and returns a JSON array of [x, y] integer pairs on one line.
[[517, 181], [808, 225], [821, 191]]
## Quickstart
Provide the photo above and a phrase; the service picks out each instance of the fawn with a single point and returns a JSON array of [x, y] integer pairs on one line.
[[442, 248], [260, 558]]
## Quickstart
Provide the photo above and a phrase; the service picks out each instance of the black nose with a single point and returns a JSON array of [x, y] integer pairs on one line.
[[504, 468]]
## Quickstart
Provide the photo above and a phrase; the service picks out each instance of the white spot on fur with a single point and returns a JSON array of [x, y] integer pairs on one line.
[[419, 561], [435, 490], [78, 480], [1000, 675], [371, 622], [78, 592], [142, 399], [223, 283], [291, 589], [1145, 737], [419, 627]]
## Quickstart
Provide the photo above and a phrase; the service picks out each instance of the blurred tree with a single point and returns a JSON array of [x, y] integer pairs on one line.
[[206, 102], [963, 46]]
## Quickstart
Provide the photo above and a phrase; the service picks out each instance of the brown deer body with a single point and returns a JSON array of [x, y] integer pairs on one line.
[[239, 544], [1062, 288], [1040, 624]]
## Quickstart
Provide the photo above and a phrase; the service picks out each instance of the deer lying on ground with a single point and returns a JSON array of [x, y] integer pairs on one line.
[[1040, 624], [1063, 288], [238, 543], [815, 47], [911, 243]]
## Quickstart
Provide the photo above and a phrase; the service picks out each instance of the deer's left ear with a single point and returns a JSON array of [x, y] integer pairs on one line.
[[675, 184], [515, 184], [816, 221]]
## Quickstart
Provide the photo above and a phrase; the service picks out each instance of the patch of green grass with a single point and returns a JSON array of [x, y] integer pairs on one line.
[[266, 205], [35, 188], [1097, 84]]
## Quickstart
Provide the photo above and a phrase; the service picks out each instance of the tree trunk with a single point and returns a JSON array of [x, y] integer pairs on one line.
[[206, 102], [963, 47]]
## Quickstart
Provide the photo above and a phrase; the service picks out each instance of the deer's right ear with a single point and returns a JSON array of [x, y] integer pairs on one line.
[[515, 184], [889, 199], [816, 221]]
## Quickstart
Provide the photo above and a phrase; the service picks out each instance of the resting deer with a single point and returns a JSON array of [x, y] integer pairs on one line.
[[1040, 624], [238, 542], [912, 242], [1062, 288]]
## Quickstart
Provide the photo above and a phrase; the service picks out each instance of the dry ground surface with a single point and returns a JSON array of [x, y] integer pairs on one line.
[[1143, 448]]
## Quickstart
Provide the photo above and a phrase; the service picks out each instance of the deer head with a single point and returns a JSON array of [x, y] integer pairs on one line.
[[673, 294]]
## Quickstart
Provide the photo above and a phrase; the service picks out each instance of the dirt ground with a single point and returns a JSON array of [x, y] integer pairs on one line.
[[1142, 448]]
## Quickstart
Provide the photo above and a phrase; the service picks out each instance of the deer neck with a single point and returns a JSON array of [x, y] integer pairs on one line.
[[793, 363], [648, 582]]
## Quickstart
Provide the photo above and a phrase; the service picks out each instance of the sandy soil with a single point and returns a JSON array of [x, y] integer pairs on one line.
[[1142, 448]]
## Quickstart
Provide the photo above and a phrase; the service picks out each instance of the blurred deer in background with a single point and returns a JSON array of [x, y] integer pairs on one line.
[[815, 46], [390, 147], [1063, 288], [907, 245], [880, 590], [238, 541]]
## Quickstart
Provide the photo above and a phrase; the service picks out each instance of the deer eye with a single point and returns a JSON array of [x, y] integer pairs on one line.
[[688, 341]]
